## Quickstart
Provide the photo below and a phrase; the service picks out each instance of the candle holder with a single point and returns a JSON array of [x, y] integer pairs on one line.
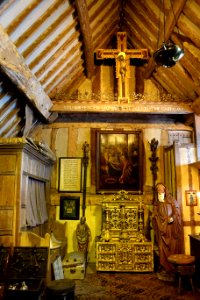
[[141, 221]]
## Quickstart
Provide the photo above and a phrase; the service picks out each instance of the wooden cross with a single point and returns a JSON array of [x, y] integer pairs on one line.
[[122, 57]]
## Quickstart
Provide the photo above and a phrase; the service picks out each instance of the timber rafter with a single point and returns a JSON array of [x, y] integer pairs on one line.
[[87, 36]]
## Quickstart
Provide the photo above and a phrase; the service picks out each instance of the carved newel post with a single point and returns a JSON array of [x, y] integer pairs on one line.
[[83, 231], [154, 159], [154, 169]]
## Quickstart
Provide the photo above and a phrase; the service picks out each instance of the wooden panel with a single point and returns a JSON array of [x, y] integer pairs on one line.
[[6, 217], [7, 163], [7, 190]]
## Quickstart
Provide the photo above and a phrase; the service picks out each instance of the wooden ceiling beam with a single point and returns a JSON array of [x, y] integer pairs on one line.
[[13, 65], [109, 17], [183, 80], [178, 6], [8, 122], [87, 36], [104, 38], [138, 33], [59, 52], [168, 84], [51, 46], [30, 30], [103, 11], [72, 92], [64, 91], [190, 63], [142, 23], [62, 82], [50, 31], [60, 64], [19, 19], [5, 5], [189, 29]]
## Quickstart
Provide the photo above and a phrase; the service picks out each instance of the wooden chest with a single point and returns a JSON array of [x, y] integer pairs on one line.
[[74, 266], [26, 274]]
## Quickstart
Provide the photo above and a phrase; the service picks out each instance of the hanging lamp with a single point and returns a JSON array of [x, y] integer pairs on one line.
[[169, 53]]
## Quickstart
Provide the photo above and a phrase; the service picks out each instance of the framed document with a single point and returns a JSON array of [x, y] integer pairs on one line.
[[70, 174]]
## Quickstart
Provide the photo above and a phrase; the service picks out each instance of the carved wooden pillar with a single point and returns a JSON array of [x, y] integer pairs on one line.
[[154, 159], [82, 230]]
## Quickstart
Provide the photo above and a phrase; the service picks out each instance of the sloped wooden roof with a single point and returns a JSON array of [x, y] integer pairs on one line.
[[58, 39]]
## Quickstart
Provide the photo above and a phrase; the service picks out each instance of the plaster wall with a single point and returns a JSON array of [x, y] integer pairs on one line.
[[67, 139]]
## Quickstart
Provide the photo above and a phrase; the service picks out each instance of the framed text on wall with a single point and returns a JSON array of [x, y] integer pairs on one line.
[[70, 174]]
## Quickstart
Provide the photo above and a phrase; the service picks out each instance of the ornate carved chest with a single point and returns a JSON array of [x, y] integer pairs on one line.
[[122, 245], [26, 274]]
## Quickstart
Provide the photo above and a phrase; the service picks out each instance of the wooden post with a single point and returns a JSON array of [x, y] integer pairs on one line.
[[85, 166], [83, 231], [154, 159]]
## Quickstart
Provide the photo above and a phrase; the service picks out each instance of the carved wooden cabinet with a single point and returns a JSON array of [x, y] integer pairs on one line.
[[21, 165], [124, 257], [122, 245]]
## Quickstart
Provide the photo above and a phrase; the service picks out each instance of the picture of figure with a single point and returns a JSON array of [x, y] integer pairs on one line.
[[119, 162], [191, 198], [122, 69], [69, 208]]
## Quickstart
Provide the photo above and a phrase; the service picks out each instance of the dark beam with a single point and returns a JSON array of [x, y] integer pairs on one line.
[[87, 36]]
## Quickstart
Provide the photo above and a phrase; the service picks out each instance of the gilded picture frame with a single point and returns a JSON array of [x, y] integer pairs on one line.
[[119, 161]]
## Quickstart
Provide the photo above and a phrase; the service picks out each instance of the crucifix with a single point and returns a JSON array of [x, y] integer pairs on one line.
[[122, 57]]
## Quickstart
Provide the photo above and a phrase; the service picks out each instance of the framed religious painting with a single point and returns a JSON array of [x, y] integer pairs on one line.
[[69, 208], [191, 198], [119, 161]]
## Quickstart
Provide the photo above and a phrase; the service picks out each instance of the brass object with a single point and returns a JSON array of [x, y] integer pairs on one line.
[[122, 245], [24, 287]]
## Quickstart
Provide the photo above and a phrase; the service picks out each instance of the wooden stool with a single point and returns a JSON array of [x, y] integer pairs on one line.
[[60, 290], [184, 265]]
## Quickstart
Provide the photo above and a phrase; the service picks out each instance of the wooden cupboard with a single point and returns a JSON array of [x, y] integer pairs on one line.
[[21, 164]]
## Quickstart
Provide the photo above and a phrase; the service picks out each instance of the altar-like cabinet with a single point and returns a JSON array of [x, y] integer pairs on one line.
[[122, 245]]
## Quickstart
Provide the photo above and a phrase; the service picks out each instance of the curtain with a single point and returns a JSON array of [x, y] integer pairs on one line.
[[36, 210]]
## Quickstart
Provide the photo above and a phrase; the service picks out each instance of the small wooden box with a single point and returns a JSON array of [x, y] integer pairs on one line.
[[74, 266], [28, 265]]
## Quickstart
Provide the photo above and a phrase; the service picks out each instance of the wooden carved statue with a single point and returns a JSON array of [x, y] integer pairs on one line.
[[167, 224], [83, 231]]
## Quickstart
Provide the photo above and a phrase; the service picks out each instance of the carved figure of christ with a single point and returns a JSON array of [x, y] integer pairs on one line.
[[122, 57]]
